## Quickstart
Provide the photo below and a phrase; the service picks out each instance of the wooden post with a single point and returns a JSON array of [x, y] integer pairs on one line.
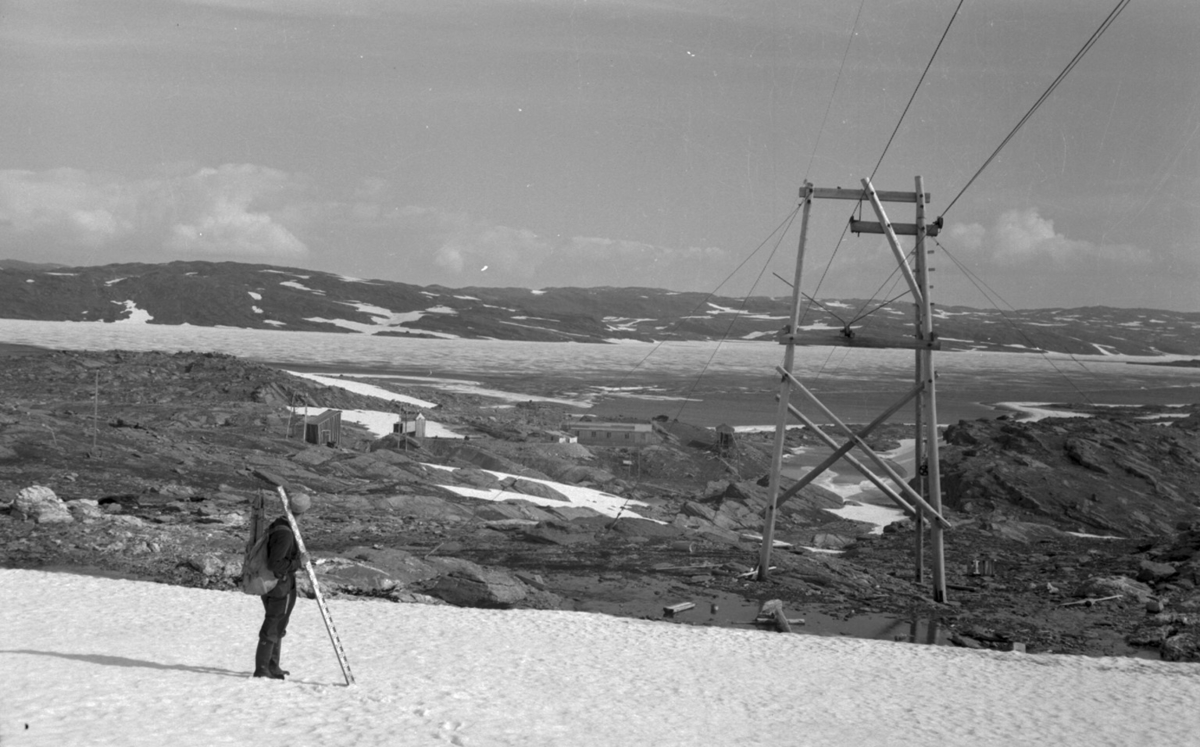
[[95, 411], [785, 388], [930, 401], [919, 444]]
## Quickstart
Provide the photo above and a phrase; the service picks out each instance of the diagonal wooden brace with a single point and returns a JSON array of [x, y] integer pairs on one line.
[[887, 490], [893, 242], [856, 440], [841, 451]]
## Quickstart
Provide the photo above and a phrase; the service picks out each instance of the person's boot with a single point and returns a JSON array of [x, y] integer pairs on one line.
[[262, 660], [273, 664]]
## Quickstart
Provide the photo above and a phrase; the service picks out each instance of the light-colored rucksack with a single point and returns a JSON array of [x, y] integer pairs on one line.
[[257, 578]]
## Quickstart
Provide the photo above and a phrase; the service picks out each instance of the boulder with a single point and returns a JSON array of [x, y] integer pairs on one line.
[[830, 541], [217, 566], [404, 568], [1151, 572], [1182, 646], [1101, 586], [698, 510], [342, 575], [465, 584], [574, 513], [40, 505], [85, 510], [575, 474], [476, 478]]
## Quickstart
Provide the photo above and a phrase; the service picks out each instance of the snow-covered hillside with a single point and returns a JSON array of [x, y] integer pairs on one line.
[[250, 296]]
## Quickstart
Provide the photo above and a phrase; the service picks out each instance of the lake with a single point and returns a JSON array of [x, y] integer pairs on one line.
[[701, 382]]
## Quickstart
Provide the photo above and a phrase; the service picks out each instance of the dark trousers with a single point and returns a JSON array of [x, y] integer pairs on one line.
[[277, 611]]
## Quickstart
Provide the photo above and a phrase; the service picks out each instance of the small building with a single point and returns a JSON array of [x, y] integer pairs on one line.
[[725, 436], [323, 427], [613, 434], [414, 427]]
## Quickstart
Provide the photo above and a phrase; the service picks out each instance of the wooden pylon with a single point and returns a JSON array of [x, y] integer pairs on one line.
[[925, 379]]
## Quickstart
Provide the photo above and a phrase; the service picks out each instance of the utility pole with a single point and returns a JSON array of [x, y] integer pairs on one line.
[[785, 392], [924, 341]]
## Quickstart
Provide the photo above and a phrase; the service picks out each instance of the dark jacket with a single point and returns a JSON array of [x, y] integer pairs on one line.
[[283, 556]]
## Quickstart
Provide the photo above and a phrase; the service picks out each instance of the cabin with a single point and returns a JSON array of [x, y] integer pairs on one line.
[[613, 434], [726, 438], [414, 427], [323, 427]]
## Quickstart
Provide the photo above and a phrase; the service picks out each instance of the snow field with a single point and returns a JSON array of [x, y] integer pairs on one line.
[[92, 661]]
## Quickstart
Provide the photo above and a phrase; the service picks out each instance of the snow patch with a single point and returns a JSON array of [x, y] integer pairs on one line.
[[136, 315], [359, 387], [301, 286]]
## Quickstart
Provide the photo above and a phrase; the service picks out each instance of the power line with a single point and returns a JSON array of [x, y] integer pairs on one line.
[[977, 281], [918, 88], [829, 104], [745, 299], [1108, 21], [784, 225]]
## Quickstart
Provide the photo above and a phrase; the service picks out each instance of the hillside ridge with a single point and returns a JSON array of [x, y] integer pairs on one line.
[[259, 296]]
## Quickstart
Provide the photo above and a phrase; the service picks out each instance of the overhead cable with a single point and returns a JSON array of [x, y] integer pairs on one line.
[[915, 90], [1112, 16], [784, 225], [977, 281], [829, 104]]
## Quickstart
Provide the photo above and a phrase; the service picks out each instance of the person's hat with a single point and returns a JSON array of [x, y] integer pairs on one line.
[[300, 502]]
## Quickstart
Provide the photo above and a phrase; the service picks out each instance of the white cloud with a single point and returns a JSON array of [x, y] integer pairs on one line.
[[255, 213], [228, 211], [1024, 237]]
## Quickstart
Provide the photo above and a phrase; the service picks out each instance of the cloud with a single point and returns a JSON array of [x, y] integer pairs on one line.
[[227, 211], [1024, 237], [247, 212], [453, 248]]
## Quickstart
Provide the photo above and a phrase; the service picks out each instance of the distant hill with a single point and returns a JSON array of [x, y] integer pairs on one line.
[[253, 296]]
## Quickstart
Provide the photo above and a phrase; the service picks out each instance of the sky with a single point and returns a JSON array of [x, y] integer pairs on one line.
[[85, 661], [540, 143]]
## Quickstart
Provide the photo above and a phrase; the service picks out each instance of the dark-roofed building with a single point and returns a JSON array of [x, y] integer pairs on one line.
[[613, 434], [323, 427]]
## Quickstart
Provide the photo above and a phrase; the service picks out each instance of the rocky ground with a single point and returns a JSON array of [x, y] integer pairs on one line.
[[144, 464]]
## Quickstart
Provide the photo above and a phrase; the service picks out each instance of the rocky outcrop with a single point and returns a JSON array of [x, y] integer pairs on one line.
[[39, 504], [1106, 474], [465, 584]]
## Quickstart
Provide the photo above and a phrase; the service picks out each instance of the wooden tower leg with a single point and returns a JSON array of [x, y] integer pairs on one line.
[[785, 390], [930, 399]]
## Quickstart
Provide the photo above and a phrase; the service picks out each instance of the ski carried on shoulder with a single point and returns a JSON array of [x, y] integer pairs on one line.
[[312, 575]]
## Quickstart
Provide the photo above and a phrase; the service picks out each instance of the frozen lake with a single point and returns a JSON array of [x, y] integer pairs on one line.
[[702, 382]]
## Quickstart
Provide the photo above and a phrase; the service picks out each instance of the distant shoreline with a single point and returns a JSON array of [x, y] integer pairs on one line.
[[1193, 363], [10, 349]]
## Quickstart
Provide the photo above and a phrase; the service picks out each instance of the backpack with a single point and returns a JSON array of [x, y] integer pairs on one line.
[[257, 578]]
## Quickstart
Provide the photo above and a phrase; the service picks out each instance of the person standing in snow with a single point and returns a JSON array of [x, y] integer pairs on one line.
[[284, 559]]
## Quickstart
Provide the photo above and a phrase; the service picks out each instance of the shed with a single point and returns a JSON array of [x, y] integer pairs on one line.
[[726, 438], [323, 428], [613, 434]]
